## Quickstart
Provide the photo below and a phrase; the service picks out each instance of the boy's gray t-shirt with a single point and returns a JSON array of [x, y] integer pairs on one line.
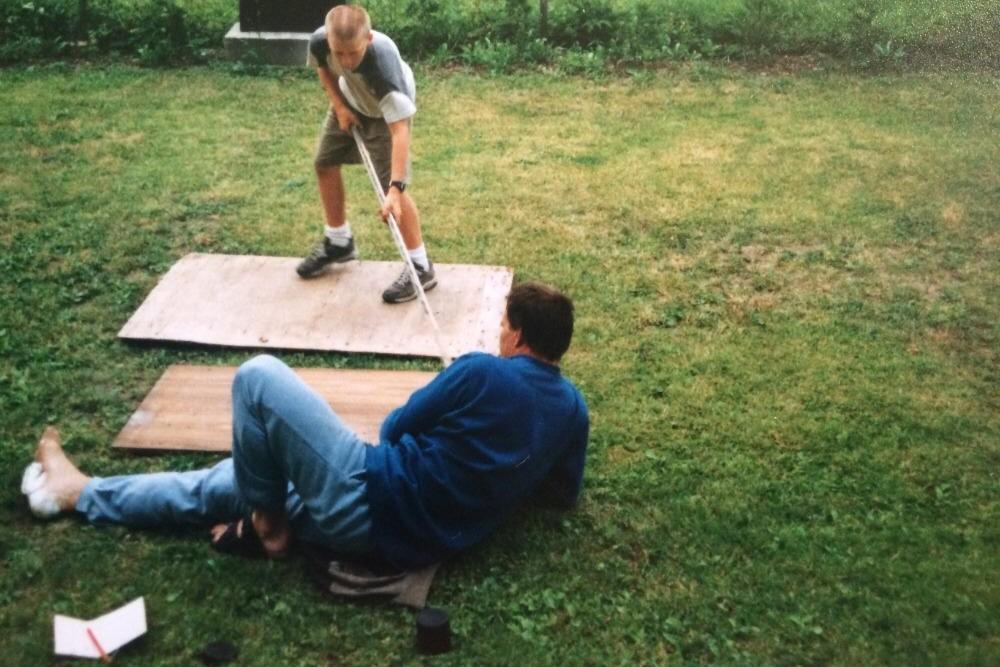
[[381, 86]]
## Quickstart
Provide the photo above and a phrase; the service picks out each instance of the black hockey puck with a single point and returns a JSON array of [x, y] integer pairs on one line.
[[433, 632], [218, 653]]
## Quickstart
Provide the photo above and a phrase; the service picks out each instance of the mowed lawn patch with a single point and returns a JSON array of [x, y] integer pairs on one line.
[[786, 331]]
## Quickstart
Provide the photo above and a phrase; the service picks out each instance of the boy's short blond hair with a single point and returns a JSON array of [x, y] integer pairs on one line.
[[345, 23]]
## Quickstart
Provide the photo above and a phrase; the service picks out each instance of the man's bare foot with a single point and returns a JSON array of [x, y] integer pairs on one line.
[[271, 528], [64, 480]]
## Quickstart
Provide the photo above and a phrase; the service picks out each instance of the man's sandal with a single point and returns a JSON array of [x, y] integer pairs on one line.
[[240, 539]]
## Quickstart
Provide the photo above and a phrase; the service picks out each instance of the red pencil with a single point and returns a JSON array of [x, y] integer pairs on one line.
[[100, 649]]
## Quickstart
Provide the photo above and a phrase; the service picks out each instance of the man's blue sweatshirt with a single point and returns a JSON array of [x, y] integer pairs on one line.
[[465, 450]]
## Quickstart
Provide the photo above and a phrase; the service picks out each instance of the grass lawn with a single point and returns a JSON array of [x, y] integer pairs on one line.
[[787, 303]]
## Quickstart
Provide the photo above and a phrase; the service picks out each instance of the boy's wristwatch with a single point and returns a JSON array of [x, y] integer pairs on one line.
[[399, 185]]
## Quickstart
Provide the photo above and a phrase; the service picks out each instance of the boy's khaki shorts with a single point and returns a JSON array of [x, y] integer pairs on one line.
[[336, 147]]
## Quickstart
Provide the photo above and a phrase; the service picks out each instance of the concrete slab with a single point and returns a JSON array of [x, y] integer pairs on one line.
[[270, 48]]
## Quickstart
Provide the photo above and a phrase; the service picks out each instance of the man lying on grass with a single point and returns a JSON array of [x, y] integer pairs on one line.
[[463, 452]]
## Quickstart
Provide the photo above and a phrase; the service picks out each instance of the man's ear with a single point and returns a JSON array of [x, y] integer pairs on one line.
[[519, 338]]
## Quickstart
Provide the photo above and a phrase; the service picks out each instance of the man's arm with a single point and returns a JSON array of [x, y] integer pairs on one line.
[[428, 404], [561, 487]]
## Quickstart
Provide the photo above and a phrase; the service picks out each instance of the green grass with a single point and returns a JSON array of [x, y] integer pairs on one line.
[[787, 334]]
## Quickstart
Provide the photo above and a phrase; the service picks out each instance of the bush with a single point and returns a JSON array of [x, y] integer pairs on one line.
[[764, 27], [586, 23], [161, 34], [862, 28], [29, 30], [652, 32], [496, 57], [499, 35], [155, 31], [424, 26], [589, 63]]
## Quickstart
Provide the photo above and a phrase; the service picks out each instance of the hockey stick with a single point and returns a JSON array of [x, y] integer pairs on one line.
[[400, 246]]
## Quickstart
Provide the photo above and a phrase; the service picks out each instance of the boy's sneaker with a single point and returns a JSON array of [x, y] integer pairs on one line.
[[325, 254], [402, 288]]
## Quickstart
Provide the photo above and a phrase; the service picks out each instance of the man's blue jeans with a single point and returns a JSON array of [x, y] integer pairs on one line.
[[289, 450]]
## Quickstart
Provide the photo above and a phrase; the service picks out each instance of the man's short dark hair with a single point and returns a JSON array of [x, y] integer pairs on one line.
[[544, 316]]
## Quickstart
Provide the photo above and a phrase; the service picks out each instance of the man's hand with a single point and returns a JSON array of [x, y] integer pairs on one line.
[[392, 205], [345, 117]]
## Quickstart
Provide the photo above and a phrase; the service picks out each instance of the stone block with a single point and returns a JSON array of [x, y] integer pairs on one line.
[[271, 48], [284, 15]]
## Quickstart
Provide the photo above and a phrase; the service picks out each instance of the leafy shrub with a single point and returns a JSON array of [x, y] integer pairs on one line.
[[538, 51], [496, 57], [515, 23], [591, 62], [585, 23], [499, 35], [652, 32], [888, 54], [424, 26], [160, 31], [764, 27], [162, 34], [157, 31], [648, 28], [862, 29], [30, 30]]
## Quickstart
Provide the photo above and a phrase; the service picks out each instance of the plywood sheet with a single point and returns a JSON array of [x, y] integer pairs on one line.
[[260, 302], [190, 407]]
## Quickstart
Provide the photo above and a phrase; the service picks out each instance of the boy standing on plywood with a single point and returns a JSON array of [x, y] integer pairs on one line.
[[372, 88]]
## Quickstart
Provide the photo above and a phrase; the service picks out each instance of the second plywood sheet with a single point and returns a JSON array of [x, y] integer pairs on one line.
[[260, 302], [190, 407]]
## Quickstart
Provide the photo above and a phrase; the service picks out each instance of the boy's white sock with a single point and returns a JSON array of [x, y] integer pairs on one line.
[[339, 236], [419, 257]]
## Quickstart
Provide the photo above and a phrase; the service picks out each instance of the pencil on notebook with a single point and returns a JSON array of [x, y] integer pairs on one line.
[[100, 649]]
